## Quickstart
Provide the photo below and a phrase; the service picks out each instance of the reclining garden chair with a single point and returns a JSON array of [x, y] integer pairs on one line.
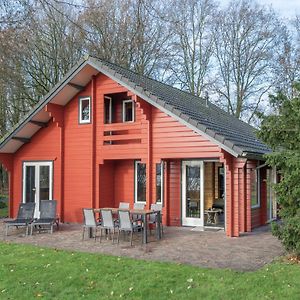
[[24, 217], [47, 216]]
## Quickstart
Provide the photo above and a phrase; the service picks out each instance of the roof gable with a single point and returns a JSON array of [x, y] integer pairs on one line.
[[231, 134]]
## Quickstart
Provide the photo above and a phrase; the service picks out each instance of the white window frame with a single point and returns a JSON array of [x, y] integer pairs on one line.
[[161, 183], [110, 109], [124, 111], [257, 205], [136, 163], [81, 121]]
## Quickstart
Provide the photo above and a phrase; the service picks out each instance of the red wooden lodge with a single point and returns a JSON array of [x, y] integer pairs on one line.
[[105, 135]]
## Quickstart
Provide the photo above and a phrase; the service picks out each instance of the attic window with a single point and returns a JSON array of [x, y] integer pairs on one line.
[[84, 110], [128, 111]]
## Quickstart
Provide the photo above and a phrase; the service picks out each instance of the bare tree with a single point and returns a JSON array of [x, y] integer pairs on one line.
[[192, 23], [53, 47], [287, 63], [245, 38], [125, 32]]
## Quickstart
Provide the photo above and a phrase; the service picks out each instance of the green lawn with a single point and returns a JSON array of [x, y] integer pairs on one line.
[[28, 272], [3, 212]]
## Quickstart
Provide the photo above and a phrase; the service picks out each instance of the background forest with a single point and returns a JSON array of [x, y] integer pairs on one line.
[[235, 54]]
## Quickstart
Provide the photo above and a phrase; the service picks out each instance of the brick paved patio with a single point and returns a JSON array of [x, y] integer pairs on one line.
[[210, 249]]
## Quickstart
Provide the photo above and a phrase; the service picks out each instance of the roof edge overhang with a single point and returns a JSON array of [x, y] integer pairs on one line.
[[254, 156], [45, 100]]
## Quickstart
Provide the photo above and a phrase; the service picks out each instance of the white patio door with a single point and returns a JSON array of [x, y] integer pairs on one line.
[[192, 193], [37, 183]]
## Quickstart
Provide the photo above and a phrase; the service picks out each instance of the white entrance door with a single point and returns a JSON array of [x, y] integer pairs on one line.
[[37, 183], [192, 193]]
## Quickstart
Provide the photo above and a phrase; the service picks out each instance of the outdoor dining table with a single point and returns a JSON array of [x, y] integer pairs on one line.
[[141, 212]]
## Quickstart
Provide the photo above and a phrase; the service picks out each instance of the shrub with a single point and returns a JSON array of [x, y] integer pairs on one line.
[[281, 131], [2, 205]]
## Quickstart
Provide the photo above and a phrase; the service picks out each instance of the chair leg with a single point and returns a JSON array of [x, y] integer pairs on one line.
[[113, 235], [31, 229], [100, 235], [51, 229], [118, 236], [83, 230]]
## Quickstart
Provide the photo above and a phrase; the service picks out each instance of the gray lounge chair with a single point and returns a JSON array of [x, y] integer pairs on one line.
[[126, 225], [47, 216], [90, 222], [24, 217]]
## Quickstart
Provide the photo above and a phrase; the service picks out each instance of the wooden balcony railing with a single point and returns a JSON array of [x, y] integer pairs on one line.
[[122, 133]]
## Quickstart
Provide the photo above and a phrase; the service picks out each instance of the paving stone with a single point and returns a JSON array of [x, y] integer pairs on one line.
[[179, 244]]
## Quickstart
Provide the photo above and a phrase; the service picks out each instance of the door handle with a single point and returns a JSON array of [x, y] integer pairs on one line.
[[34, 189]]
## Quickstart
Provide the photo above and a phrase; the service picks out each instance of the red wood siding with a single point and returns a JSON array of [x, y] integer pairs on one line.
[[78, 161], [124, 182], [44, 145], [106, 184], [174, 199], [172, 139]]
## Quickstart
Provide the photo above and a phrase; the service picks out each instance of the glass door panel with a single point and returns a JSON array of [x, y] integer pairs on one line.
[[30, 187], [44, 183], [193, 207], [192, 193]]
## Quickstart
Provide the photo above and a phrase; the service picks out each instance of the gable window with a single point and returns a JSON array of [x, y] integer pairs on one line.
[[85, 110], [255, 188], [159, 183], [140, 182], [128, 111]]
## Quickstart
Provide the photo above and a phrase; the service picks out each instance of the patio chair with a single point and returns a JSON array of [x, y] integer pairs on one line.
[[137, 218], [124, 205], [47, 216], [89, 222], [153, 217], [126, 225], [24, 217], [108, 223]]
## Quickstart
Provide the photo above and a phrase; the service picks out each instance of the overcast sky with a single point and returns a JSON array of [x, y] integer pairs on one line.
[[286, 8]]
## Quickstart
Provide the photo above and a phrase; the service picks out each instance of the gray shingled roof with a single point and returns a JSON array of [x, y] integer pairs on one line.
[[217, 123]]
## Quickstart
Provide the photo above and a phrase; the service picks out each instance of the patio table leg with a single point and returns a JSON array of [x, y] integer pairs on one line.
[[158, 226], [145, 229]]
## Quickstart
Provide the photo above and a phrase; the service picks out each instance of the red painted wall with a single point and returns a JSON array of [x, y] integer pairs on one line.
[[44, 145], [124, 182]]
